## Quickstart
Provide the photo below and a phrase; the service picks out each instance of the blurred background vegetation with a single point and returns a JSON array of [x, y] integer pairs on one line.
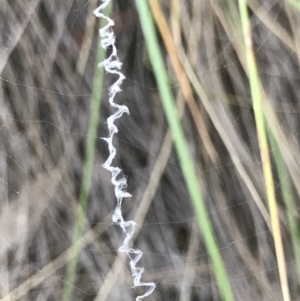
[[232, 67]]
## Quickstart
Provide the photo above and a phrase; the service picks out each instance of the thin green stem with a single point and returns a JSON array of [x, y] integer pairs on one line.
[[182, 149], [87, 169], [255, 87], [287, 194]]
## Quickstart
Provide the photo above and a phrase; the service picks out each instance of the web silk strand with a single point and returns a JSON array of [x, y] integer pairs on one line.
[[112, 65]]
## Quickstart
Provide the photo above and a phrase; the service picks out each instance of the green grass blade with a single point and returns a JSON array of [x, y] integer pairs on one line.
[[182, 149], [287, 194], [295, 3], [87, 168], [255, 87]]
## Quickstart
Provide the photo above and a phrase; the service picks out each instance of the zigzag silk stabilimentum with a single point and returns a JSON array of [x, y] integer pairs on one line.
[[112, 65]]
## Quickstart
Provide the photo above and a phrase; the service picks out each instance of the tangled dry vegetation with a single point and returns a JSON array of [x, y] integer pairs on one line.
[[47, 64]]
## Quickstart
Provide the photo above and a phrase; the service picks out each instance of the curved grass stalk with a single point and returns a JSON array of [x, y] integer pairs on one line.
[[182, 150]]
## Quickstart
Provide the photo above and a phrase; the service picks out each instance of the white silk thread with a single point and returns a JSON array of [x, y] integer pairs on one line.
[[112, 65]]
